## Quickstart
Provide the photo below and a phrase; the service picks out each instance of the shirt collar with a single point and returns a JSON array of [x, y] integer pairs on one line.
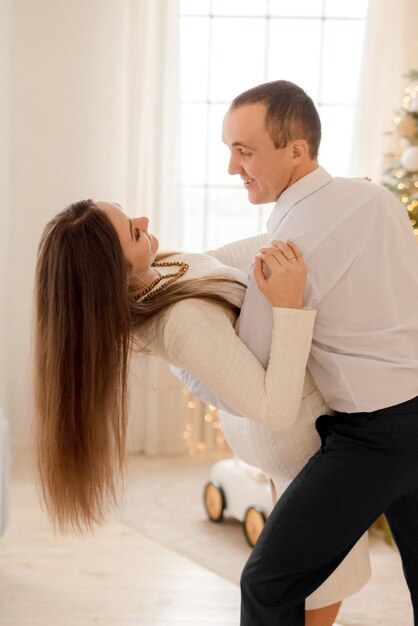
[[294, 194]]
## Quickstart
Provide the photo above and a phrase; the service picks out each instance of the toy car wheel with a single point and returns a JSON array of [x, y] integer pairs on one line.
[[214, 501], [253, 525]]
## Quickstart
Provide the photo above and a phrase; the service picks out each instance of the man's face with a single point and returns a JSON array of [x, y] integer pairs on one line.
[[265, 170]]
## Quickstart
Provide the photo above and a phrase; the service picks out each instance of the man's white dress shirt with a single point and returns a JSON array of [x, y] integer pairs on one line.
[[362, 263]]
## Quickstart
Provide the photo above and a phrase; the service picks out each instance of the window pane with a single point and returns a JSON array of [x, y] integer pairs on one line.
[[342, 52], [193, 146], [337, 133], [346, 8], [193, 226], [302, 69], [296, 8], [194, 7], [238, 7], [237, 56], [194, 55], [218, 153], [234, 46], [231, 217]]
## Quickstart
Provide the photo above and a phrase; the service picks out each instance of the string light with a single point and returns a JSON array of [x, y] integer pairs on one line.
[[202, 430]]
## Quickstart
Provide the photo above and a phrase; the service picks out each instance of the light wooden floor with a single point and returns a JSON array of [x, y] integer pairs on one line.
[[115, 578]]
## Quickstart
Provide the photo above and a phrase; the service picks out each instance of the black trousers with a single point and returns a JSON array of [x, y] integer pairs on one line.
[[367, 465]]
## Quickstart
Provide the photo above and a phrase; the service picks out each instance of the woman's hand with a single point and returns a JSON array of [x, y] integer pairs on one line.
[[286, 282]]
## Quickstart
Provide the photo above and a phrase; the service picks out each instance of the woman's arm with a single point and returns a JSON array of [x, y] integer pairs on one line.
[[240, 254], [199, 338]]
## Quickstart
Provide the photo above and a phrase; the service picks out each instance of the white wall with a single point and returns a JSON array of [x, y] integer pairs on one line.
[[67, 132]]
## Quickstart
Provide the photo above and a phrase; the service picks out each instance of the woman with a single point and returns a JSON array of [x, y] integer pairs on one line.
[[97, 286]]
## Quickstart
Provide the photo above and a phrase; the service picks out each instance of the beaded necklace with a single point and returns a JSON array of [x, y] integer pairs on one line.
[[172, 276]]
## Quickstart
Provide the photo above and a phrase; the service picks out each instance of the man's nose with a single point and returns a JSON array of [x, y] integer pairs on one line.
[[234, 166]]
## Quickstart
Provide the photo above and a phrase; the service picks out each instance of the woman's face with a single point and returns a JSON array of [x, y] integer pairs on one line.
[[138, 246]]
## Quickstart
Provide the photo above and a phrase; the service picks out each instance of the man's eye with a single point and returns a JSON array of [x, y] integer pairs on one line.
[[137, 234], [244, 153]]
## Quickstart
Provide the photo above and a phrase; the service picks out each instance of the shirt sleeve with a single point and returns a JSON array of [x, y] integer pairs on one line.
[[198, 389], [199, 337], [240, 254]]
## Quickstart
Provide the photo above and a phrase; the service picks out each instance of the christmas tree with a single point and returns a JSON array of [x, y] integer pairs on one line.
[[401, 161]]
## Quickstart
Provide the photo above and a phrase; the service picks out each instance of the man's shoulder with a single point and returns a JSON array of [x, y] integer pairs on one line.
[[358, 186], [356, 193]]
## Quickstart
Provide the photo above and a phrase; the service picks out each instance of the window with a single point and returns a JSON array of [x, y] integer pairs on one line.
[[227, 46]]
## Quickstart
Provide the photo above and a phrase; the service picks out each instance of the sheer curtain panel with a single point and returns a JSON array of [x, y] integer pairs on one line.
[[88, 109]]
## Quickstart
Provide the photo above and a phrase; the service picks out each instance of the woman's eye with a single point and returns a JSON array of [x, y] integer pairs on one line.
[[244, 153], [137, 234]]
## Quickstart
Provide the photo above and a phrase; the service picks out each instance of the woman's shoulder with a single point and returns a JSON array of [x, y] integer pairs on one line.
[[203, 265]]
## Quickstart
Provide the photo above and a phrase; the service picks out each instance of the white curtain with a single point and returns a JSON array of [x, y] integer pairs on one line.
[[157, 410], [153, 117], [390, 51], [88, 100]]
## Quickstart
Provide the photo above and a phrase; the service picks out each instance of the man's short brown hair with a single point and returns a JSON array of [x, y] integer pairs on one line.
[[291, 113]]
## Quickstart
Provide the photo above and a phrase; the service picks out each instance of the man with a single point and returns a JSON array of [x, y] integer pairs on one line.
[[362, 278]]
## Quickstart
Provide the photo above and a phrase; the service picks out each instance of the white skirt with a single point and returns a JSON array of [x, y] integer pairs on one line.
[[350, 576]]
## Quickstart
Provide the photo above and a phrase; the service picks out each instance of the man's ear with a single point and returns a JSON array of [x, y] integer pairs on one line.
[[300, 150]]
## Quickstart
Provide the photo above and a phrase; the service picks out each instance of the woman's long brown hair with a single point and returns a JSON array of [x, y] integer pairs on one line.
[[84, 322]]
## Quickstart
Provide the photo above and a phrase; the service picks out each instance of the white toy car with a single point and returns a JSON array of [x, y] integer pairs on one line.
[[240, 491]]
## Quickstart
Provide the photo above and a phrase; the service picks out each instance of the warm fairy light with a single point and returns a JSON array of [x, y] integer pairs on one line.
[[405, 199], [401, 186], [201, 416], [399, 173]]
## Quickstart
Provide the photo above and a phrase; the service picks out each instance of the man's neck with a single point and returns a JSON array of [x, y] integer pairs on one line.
[[303, 170]]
